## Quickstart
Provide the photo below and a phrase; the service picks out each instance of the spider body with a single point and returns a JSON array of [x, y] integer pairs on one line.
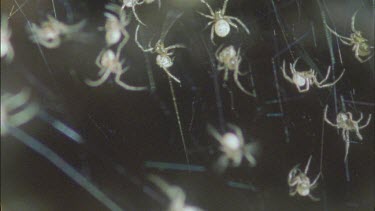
[[361, 47], [15, 110], [304, 79], [115, 24], [221, 23], [229, 60], [299, 183], [109, 62], [50, 33], [233, 147], [133, 3], [347, 124], [6, 46], [164, 57]]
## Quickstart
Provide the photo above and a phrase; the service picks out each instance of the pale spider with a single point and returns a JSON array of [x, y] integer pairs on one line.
[[361, 48], [304, 79], [15, 111], [299, 182], [233, 147], [221, 22], [109, 62], [229, 60], [115, 24], [6, 46], [175, 194], [163, 59], [345, 121], [133, 3], [50, 33]]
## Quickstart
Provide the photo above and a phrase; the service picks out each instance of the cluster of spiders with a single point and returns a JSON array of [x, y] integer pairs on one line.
[[233, 147]]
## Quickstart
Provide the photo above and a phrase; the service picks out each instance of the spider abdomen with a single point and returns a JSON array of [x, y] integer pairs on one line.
[[222, 28]]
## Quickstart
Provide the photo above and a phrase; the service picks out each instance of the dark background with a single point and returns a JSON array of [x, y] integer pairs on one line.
[[124, 129]]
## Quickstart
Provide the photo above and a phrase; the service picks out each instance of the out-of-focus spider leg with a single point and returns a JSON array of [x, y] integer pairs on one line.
[[126, 86], [237, 131], [367, 123], [285, 75], [237, 81], [249, 156], [326, 118], [313, 198], [330, 84], [208, 6], [241, 23], [214, 132], [292, 191], [170, 75], [99, 81], [23, 116], [16, 100]]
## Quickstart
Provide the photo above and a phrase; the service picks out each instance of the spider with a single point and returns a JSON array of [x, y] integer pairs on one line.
[[133, 3], [361, 48], [163, 59], [306, 78], [221, 22], [175, 194], [14, 111], [345, 122], [299, 182], [229, 59], [233, 147], [6, 46], [115, 26], [109, 62], [50, 32]]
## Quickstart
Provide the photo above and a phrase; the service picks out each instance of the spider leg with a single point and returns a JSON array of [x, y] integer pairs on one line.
[[172, 76], [237, 131], [367, 123], [336, 34], [226, 74], [347, 145], [345, 42], [212, 131], [314, 183], [136, 15], [208, 6], [353, 21], [208, 24], [241, 23], [99, 81], [218, 51], [233, 25], [308, 165], [326, 118], [126, 86], [212, 35], [237, 81], [358, 134], [224, 6], [139, 44], [249, 156], [206, 16], [175, 46], [330, 84], [325, 79], [292, 191], [307, 88], [360, 117], [285, 75]]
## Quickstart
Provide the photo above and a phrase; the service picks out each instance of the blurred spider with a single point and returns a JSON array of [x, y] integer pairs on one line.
[[345, 122], [6, 46], [109, 62], [361, 48], [306, 78], [115, 26], [299, 182], [50, 32], [14, 111], [175, 194], [229, 59], [163, 59], [133, 3], [233, 146], [221, 22]]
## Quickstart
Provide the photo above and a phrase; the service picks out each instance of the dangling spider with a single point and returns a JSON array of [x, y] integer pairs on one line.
[[229, 59], [50, 32], [175, 194], [299, 182], [345, 122], [6, 46], [233, 146], [15, 111], [109, 62], [133, 3], [306, 78], [163, 59], [221, 22], [115, 24], [361, 48]]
